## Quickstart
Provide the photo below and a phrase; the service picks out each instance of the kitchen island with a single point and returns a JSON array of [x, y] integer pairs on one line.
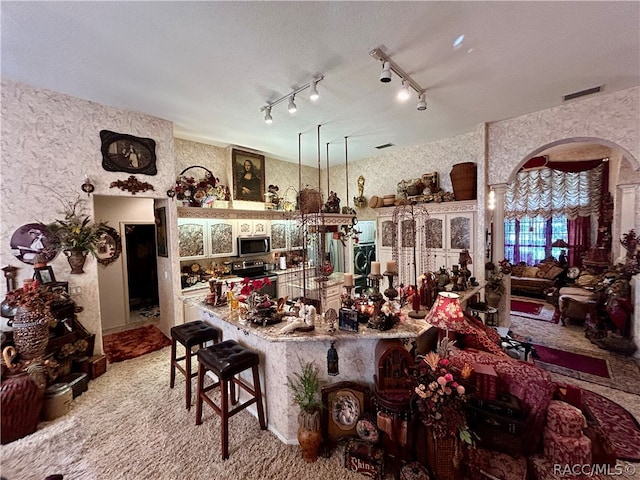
[[281, 355]]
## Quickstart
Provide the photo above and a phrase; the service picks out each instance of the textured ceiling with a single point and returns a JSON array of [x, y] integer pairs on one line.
[[209, 67]]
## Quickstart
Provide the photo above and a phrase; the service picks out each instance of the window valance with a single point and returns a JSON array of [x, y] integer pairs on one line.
[[548, 192]]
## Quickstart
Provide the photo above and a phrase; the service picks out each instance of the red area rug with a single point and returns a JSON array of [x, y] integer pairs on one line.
[[573, 361], [621, 427], [133, 343], [530, 308]]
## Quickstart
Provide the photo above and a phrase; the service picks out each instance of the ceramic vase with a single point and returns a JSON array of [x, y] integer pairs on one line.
[[309, 435], [76, 258]]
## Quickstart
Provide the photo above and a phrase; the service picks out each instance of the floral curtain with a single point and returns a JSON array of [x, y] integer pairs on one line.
[[547, 192]]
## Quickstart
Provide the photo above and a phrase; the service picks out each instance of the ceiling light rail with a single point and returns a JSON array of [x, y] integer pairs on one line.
[[389, 66], [292, 107]]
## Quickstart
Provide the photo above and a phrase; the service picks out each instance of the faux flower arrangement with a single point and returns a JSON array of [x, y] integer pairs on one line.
[[247, 286], [439, 397], [197, 192], [76, 231], [33, 297]]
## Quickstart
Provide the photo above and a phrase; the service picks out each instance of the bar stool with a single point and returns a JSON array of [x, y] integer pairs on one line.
[[225, 360], [189, 335]]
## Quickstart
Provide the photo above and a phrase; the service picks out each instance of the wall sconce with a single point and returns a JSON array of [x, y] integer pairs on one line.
[[87, 186], [171, 193], [332, 361], [291, 106], [389, 66]]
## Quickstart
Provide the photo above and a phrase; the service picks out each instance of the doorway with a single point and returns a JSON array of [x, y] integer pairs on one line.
[[142, 272]]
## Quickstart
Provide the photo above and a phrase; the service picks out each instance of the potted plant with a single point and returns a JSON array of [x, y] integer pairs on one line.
[[305, 387], [77, 235]]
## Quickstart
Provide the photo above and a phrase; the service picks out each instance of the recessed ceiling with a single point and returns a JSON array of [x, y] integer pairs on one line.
[[209, 67]]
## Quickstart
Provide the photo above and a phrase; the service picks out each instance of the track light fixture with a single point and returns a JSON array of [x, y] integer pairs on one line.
[[389, 66], [422, 103], [292, 107], [268, 119]]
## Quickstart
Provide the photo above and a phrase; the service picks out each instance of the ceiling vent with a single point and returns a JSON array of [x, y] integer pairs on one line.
[[582, 93], [386, 145]]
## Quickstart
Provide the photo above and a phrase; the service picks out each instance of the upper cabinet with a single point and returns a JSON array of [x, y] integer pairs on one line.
[[206, 238], [253, 228], [286, 235]]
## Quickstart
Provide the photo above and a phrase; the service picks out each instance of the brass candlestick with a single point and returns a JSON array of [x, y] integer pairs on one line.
[[347, 301], [377, 319]]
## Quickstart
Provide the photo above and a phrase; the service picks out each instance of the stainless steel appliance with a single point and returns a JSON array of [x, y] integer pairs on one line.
[[363, 255], [255, 269], [248, 246]]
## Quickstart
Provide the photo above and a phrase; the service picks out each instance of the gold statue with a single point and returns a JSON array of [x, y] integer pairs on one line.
[[360, 201]]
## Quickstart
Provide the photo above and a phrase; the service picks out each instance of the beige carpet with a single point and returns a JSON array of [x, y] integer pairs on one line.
[[130, 425]]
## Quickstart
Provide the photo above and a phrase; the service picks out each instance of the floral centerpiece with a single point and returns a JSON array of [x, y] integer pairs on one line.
[[439, 396], [247, 293], [199, 192], [32, 297]]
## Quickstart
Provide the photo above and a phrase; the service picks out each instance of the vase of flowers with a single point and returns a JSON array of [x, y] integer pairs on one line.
[[32, 319], [248, 296], [439, 399], [78, 236]]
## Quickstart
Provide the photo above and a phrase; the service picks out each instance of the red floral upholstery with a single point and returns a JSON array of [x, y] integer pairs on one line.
[[532, 385], [485, 464], [567, 450], [565, 419], [481, 337]]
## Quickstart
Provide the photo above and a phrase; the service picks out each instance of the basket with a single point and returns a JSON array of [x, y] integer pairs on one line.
[[30, 334], [310, 201], [196, 191], [20, 402], [464, 180]]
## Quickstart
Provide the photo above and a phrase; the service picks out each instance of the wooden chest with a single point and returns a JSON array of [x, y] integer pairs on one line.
[[93, 366], [365, 458]]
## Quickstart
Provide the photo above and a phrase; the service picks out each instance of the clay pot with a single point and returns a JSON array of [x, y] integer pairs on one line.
[[309, 435]]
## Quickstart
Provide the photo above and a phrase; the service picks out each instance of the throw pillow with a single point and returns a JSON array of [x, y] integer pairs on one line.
[[553, 272], [587, 280], [517, 271], [530, 272], [544, 267]]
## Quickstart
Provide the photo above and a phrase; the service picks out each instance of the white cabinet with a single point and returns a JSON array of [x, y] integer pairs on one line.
[[291, 282], [206, 238], [286, 235], [250, 228], [439, 237]]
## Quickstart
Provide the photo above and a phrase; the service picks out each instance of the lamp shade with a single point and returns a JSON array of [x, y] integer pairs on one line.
[[447, 314], [560, 243]]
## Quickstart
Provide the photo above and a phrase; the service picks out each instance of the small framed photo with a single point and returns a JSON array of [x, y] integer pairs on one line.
[[344, 403], [348, 320], [44, 275], [248, 176], [125, 153]]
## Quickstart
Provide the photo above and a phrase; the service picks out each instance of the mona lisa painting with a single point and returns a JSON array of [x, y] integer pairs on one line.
[[248, 176]]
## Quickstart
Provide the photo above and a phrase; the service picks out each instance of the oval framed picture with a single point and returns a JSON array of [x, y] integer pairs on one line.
[[32, 239], [125, 153]]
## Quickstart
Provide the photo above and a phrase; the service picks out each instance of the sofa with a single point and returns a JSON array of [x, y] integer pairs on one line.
[[535, 280]]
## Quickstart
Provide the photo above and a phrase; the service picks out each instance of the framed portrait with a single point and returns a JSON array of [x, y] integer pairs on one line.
[[248, 176], [161, 232], [344, 403], [125, 153], [32, 239], [44, 275]]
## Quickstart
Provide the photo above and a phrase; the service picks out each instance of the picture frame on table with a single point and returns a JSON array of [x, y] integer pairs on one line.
[[248, 176], [344, 403], [122, 152], [44, 275]]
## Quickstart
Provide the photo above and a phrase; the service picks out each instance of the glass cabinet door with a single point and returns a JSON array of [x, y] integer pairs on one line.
[[191, 238], [222, 240]]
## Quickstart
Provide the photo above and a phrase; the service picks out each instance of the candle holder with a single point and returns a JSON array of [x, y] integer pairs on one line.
[[377, 320], [347, 300], [391, 293]]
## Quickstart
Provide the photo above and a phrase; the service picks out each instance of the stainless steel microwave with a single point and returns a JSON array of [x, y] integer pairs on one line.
[[248, 246]]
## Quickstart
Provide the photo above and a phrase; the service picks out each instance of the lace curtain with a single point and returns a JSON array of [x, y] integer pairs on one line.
[[547, 192]]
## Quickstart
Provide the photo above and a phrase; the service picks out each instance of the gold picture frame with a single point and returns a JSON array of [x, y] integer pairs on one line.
[[248, 176]]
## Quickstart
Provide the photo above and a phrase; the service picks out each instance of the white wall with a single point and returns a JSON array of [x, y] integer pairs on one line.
[[117, 211]]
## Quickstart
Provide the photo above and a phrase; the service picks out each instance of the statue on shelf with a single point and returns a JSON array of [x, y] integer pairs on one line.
[[333, 203], [360, 201]]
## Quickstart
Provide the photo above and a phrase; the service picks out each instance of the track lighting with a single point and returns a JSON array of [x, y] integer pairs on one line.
[[313, 93], [385, 75], [403, 93], [292, 107], [389, 66], [422, 103], [268, 119]]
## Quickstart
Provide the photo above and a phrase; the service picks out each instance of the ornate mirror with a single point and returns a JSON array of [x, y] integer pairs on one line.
[[109, 247]]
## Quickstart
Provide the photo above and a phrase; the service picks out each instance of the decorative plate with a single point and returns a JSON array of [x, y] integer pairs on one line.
[[573, 273]]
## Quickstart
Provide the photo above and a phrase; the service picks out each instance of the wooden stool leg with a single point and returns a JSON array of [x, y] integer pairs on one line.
[[258, 394], [199, 394], [188, 375], [172, 374], [232, 388], [224, 416]]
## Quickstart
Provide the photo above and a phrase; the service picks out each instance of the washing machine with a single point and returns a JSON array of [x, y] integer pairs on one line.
[[363, 255]]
